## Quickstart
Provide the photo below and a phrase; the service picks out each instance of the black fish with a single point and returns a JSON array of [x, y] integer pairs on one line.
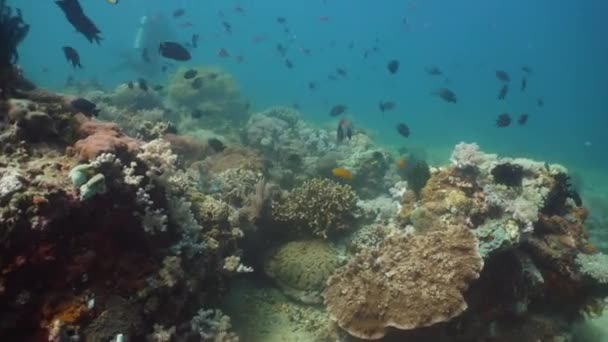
[[341, 72], [197, 114], [288, 64], [216, 144], [130, 85], [503, 120], [85, 106], [526, 69], [312, 85], [281, 49], [174, 51], [195, 39], [179, 12], [503, 92], [143, 85], [213, 75], [393, 66], [227, 27], [145, 56], [522, 119], [191, 73], [281, 20], [502, 76], [75, 16], [72, 56], [403, 130], [433, 70], [446, 95], [524, 84], [345, 130], [540, 102], [197, 83], [385, 106], [337, 110]]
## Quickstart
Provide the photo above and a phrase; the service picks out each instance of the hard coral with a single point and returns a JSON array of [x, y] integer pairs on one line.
[[319, 207], [98, 137], [407, 282]]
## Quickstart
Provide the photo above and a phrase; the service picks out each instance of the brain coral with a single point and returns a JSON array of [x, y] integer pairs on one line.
[[319, 206], [408, 281], [300, 268]]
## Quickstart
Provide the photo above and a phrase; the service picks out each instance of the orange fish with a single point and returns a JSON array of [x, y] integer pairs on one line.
[[342, 173], [401, 163]]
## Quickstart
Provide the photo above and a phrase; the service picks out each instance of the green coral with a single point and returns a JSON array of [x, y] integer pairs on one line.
[[301, 268], [318, 207], [212, 95]]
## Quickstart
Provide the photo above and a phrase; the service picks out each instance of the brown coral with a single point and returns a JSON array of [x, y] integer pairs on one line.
[[407, 282], [98, 137]]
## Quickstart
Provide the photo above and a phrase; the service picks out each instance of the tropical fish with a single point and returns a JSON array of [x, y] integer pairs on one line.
[[446, 95], [216, 144], [72, 56], [385, 106], [433, 70], [344, 131], [113, 2], [403, 130], [85, 106], [524, 84], [503, 92], [393, 66], [143, 85], [190, 73], [337, 110], [526, 69], [179, 12], [75, 16], [522, 119], [174, 51], [342, 173], [502, 76], [197, 83], [503, 120], [401, 163]]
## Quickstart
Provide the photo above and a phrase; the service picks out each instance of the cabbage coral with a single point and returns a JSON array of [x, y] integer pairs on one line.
[[319, 207], [407, 282]]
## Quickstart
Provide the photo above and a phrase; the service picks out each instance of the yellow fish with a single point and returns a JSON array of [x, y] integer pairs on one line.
[[342, 173], [401, 163]]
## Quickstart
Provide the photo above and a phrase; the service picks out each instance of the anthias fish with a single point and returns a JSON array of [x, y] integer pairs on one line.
[[72, 56]]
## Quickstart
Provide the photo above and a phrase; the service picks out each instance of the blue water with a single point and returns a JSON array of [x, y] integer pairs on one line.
[[564, 42]]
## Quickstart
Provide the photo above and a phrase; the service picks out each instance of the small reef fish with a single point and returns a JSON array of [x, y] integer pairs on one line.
[[503, 92], [385, 106], [403, 130], [312, 85], [227, 27], [337, 110], [281, 20], [216, 144], [288, 64], [344, 131], [540, 102], [341, 72], [502, 76], [197, 83], [401, 163], [446, 94], [503, 120], [524, 84], [179, 12], [393, 66], [433, 70], [75, 16], [522, 119], [190, 73], [223, 53], [526, 69], [173, 50], [342, 173], [143, 85], [85, 106], [72, 56]]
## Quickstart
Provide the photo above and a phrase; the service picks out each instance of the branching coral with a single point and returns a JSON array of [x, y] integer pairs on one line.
[[594, 265], [213, 326], [407, 282], [319, 207]]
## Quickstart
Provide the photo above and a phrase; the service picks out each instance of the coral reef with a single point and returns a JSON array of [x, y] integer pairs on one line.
[[407, 282], [319, 207], [301, 268]]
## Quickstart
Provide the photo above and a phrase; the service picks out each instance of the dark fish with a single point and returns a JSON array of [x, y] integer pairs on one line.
[[194, 40], [174, 51], [213, 75], [524, 84], [227, 27], [393, 66], [385, 106], [446, 95], [403, 130], [216, 144], [281, 49], [502, 76], [332, 77], [522, 119], [345, 131], [223, 53], [288, 64], [341, 72], [337, 110], [526, 69], [143, 85], [145, 56], [130, 85], [540, 102], [197, 114], [85, 106], [503, 92], [503, 120], [281, 20], [72, 56], [75, 16], [197, 83], [433, 70], [158, 87], [190, 73], [179, 12], [312, 85], [239, 59]]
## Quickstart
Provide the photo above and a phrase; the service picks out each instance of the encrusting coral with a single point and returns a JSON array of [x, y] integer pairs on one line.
[[407, 282], [319, 207]]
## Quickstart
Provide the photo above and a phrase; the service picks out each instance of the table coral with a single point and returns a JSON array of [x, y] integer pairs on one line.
[[408, 282], [319, 207], [301, 268]]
